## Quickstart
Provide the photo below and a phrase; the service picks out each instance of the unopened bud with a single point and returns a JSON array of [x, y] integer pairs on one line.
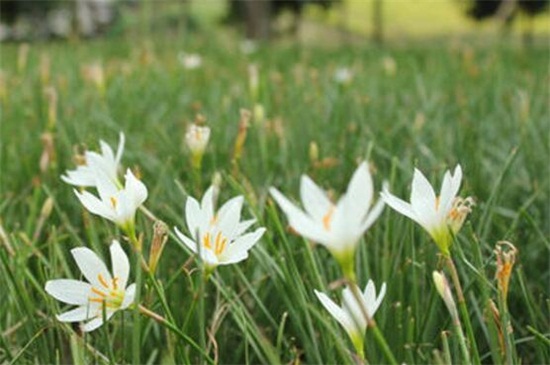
[[160, 237], [46, 208], [253, 81], [442, 286], [313, 152], [259, 114], [48, 151], [196, 139], [241, 135], [51, 96]]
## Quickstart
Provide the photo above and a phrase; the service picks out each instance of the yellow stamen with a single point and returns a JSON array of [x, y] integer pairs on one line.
[[99, 292], [220, 243], [115, 283], [103, 281], [206, 241], [327, 218], [113, 202]]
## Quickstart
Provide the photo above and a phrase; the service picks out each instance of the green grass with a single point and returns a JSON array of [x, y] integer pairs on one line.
[[485, 108]]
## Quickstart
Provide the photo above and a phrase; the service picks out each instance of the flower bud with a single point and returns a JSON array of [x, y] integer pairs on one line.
[[442, 286]]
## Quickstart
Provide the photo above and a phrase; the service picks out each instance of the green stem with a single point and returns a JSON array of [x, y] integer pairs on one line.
[[136, 343], [202, 321], [462, 341], [161, 320], [505, 325], [463, 310]]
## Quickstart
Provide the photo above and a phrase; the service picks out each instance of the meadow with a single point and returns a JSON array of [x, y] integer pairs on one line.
[[427, 105]]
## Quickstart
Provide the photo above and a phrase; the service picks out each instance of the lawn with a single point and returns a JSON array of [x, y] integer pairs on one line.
[[429, 106]]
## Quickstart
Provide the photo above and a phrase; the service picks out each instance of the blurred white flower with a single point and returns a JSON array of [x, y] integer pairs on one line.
[[248, 46], [343, 75], [105, 163], [101, 293], [197, 138], [340, 226], [218, 238], [190, 61], [443, 215], [116, 204], [350, 315]]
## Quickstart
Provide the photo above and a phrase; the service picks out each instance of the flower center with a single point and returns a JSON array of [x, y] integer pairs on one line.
[[107, 293], [459, 211], [216, 243], [327, 218]]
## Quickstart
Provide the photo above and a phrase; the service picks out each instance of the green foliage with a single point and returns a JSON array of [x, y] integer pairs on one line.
[[486, 109]]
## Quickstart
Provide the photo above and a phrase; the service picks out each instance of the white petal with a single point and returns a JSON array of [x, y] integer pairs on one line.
[[230, 205], [344, 229], [81, 176], [136, 189], [106, 152], [192, 245], [399, 205], [125, 210], [336, 312], [106, 186], [76, 315], [359, 193], [314, 199], [371, 300], [91, 266], [230, 217], [69, 291], [299, 221], [373, 215], [349, 303], [93, 324], [423, 197], [120, 263], [129, 296], [95, 206], [449, 190], [120, 148], [208, 201], [238, 249], [193, 217], [243, 226]]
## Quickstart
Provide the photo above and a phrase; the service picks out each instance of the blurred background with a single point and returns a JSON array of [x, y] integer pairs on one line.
[[322, 21]]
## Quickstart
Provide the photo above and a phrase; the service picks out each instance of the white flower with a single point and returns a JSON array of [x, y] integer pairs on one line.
[[101, 293], [350, 314], [441, 215], [190, 60], [248, 46], [197, 138], [105, 162], [336, 226], [116, 204], [219, 238], [343, 75]]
